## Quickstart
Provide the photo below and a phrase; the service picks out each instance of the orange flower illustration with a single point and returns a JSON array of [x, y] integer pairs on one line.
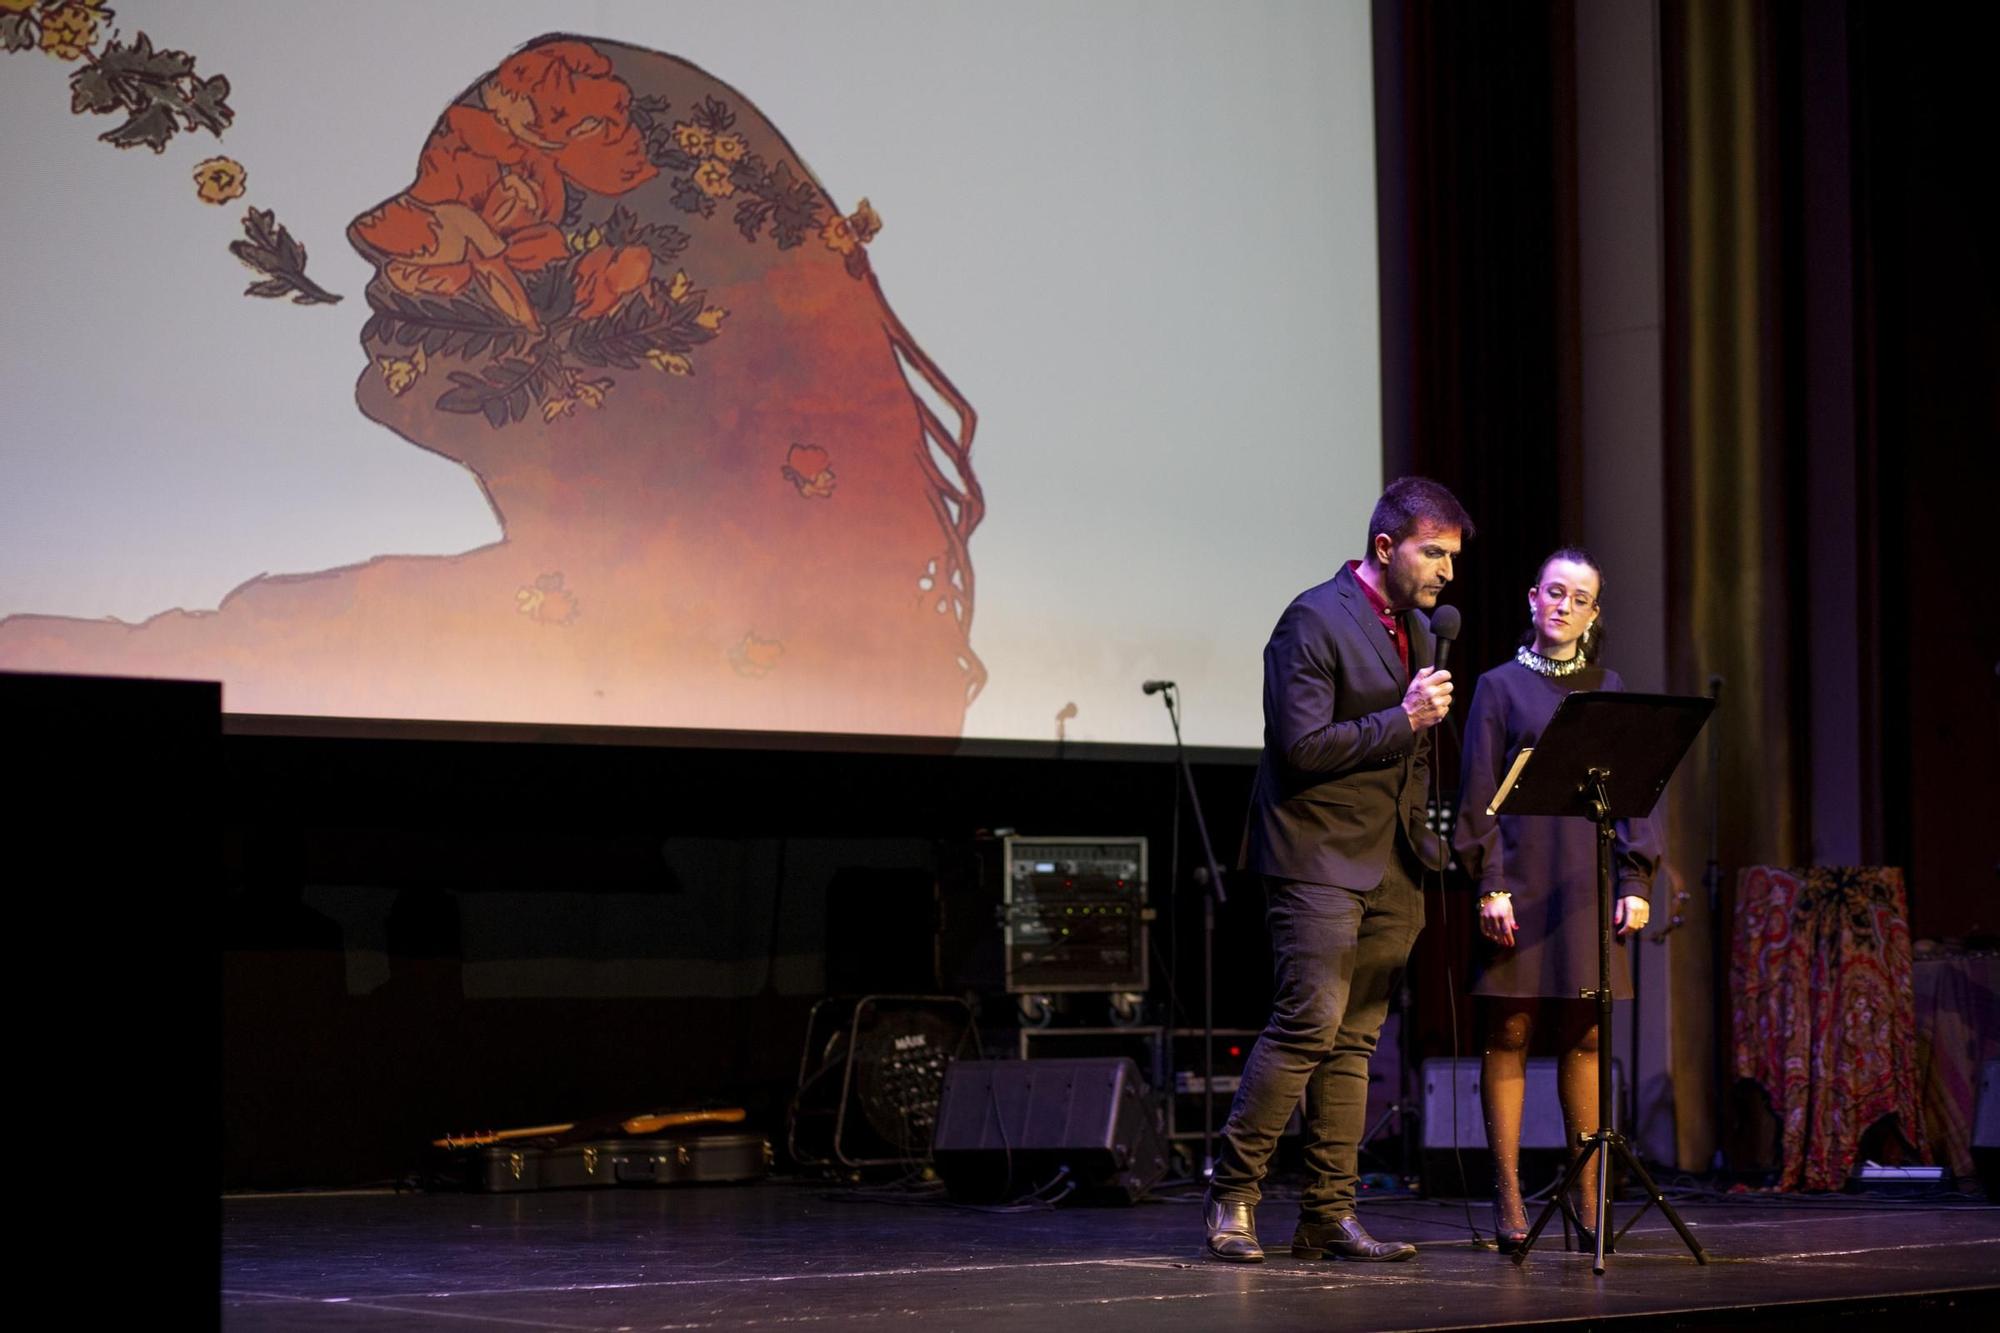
[[548, 602], [490, 183], [806, 468], [561, 98], [728, 147], [606, 276], [219, 179], [753, 656]]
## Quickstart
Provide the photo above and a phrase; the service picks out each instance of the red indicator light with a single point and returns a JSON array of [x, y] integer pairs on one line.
[[1235, 1052]]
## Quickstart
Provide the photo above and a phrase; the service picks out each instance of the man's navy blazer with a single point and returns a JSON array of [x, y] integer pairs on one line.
[[1341, 768]]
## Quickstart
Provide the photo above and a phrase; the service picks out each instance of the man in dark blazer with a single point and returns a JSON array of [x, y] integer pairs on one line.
[[1336, 831]]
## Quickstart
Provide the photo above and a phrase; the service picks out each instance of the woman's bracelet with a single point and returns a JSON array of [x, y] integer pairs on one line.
[[1491, 894]]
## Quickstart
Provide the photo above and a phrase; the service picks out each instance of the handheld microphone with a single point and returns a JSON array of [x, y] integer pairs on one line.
[[1444, 626], [1155, 686]]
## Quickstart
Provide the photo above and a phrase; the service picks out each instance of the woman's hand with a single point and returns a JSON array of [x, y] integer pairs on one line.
[[1630, 915], [1496, 919]]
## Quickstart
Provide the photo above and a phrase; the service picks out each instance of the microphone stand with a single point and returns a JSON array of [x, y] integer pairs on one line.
[[1209, 874], [1711, 883]]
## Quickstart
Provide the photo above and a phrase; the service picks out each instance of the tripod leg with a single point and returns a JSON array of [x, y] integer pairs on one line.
[[1659, 1200], [1557, 1199], [1603, 1215]]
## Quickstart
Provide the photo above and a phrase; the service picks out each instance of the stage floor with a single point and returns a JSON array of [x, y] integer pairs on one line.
[[792, 1255]]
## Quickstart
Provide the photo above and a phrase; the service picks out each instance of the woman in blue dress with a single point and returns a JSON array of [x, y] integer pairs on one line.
[[1537, 881]]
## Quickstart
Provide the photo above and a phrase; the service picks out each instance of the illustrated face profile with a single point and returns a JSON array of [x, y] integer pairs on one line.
[[734, 491]]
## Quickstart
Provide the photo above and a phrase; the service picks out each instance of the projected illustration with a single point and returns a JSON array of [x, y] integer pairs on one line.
[[733, 489]]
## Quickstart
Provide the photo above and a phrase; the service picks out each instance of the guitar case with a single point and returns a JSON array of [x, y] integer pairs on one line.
[[679, 1159]]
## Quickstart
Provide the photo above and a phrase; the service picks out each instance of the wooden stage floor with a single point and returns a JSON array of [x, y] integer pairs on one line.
[[806, 1256]]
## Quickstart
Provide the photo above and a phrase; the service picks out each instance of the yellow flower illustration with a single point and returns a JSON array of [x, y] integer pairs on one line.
[[711, 317], [843, 235], [400, 374], [17, 6], [582, 393], [692, 139], [68, 32], [669, 363], [680, 287], [219, 179], [839, 237], [728, 147], [713, 179]]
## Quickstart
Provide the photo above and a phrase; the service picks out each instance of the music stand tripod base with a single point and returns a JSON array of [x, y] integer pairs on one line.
[[1605, 756]]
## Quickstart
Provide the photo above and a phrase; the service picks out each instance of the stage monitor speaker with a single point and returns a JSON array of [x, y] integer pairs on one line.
[[1453, 1105], [870, 1078], [1053, 1129], [1986, 1130]]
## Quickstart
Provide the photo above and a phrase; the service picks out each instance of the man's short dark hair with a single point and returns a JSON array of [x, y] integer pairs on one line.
[[1410, 502]]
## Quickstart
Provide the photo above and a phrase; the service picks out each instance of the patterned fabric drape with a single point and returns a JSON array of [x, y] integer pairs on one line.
[[1958, 1029], [1825, 1015]]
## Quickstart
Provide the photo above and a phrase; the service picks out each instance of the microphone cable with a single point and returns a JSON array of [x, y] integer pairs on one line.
[[1444, 830]]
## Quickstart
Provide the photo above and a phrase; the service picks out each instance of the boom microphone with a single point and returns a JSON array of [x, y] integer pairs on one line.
[[1155, 686], [1444, 626]]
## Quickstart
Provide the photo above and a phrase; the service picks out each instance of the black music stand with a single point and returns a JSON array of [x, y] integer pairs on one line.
[[1605, 756]]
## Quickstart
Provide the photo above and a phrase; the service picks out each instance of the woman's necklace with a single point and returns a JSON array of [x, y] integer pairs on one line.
[[1548, 666]]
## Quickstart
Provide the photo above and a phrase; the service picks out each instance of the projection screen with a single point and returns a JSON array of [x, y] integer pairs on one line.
[[941, 369]]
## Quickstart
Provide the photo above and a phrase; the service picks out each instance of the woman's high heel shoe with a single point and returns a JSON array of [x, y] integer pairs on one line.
[[1586, 1234], [1507, 1239]]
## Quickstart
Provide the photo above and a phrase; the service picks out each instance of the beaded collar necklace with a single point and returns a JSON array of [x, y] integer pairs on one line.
[[1548, 666]]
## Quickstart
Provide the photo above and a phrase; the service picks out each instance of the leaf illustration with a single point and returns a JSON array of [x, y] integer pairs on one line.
[[17, 32], [151, 127], [91, 90], [714, 115], [623, 339], [272, 251], [208, 106], [503, 392], [159, 92], [689, 198]]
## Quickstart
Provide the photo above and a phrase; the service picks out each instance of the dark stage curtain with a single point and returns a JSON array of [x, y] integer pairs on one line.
[[1830, 362], [1475, 187]]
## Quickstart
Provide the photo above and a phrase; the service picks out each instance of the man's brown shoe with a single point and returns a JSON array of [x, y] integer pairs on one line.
[[1346, 1238], [1232, 1231]]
